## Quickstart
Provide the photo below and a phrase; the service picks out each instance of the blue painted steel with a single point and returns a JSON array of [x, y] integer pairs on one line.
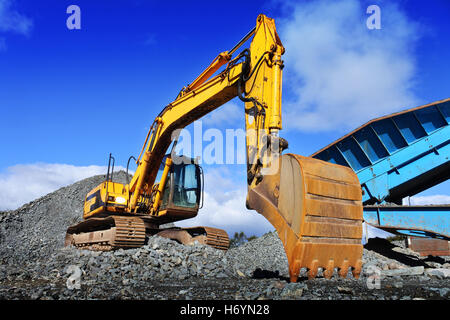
[[421, 157], [425, 221], [398, 156]]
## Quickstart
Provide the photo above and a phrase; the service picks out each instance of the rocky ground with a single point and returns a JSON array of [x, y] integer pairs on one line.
[[34, 265]]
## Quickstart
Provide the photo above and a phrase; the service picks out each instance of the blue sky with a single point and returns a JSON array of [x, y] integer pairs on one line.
[[63, 88], [69, 97]]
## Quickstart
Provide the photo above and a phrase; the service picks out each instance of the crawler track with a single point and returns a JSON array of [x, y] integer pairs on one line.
[[217, 238], [107, 233], [104, 234]]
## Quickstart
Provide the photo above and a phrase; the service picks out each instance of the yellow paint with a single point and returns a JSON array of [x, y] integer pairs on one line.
[[205, 94]]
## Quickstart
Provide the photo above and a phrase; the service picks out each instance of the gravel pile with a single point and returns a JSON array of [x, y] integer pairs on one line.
[[35, 265], [37, 229]]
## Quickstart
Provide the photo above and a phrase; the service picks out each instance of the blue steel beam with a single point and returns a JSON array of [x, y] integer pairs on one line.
[[423, 221]]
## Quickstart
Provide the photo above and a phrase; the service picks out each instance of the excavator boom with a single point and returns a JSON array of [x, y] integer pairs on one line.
[[315, 206]]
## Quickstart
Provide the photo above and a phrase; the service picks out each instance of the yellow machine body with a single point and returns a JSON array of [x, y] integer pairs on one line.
[[315, 206]]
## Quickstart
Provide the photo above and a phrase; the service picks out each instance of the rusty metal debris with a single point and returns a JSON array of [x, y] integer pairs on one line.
[[425, 247]]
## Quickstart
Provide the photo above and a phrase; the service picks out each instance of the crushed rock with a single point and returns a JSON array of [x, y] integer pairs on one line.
[[35, 265]]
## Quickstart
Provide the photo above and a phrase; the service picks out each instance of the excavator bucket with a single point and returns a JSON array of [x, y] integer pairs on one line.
[[316, 208]]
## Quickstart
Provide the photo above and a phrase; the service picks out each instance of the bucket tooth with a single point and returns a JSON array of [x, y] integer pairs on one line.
[[356, 270], [316, 208], [329, 269], [313, 267], [343, 270]]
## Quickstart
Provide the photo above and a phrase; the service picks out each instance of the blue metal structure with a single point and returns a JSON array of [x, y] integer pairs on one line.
[[418, 221], [397, 156]]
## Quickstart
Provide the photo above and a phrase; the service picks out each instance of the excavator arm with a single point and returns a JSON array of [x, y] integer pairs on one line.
[[177, 115], [315, 206], [256, 80]]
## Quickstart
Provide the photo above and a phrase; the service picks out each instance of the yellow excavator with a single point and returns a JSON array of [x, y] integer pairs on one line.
[[315, 206]]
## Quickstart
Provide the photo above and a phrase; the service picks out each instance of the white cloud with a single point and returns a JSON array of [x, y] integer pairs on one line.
[[229, 115], [23, 183], [424, 200], [341, 74], [13, 21]]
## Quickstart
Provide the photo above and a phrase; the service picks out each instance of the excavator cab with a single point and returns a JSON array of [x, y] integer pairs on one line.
[[182, 194]]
